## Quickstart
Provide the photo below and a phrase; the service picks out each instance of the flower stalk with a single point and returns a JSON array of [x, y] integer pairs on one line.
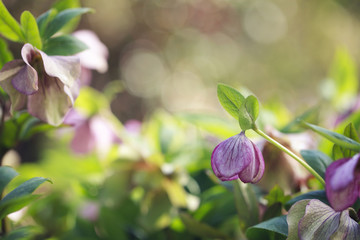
[[291, 154]]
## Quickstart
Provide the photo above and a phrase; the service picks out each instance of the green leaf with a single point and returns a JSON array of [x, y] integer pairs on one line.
[[317, 160], [5, 53], [30, 29], [16, 204], [20, 196], [248, 113], [230, 99], [339, 152], [252, 107], [246, 203], [335, 137], [63, 18], [65, 45], [24, 189], [275, 228], [320, 195], [9, 27], [276, 195], [294, 126], [201, 229], [23, 233], [6, 175], [44, 19]]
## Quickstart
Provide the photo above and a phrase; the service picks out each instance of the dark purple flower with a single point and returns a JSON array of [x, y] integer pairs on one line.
[[238, 157], [45, 82], [342, 179]]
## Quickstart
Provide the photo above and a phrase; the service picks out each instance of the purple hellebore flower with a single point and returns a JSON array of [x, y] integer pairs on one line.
[[91, 133], [342, 179], [238, 157], [45, 82]]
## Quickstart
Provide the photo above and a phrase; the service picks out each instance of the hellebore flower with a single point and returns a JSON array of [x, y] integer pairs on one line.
[[91, 133], [342, 179], [238, 157], [45, 82], [312, 219], [95, 57]]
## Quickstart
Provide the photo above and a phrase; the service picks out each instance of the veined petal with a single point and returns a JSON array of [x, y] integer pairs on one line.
[[348, 229], [50, 103], [26, 81], [65, 68], [344, 197], [296, 213], [232, 156], [319, 222], [8, 71], [255, 170]]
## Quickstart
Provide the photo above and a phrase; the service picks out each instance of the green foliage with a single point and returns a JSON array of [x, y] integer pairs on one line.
[[320, 195], [61, 19], [335, 137], [9, 27], [248, 112], [317, 160], [21, 195], [65, 45], [246, 203], [230, 99], [30, 29], [273, 229], [338, 151], [5, 53]]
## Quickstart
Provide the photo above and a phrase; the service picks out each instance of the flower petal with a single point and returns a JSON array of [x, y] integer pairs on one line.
[[8, 71], [26, 81], [50, 103], [296, 213], [255, 170], [65, 68], [232, 156], [83, 141], [95, 57], [319, 222], [104, 135], [342, 189], [349, 229]]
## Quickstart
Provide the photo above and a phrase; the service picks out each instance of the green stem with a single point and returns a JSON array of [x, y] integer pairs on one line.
[[291, 154]]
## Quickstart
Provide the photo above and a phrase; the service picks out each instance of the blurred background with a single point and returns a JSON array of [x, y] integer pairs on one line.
[[165, 58], [171, 53]]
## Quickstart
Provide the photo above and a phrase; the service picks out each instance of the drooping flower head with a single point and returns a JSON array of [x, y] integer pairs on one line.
[[342, 179], [238, 157], [45, 82]]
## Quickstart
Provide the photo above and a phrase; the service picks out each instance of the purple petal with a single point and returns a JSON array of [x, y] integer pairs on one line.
[[51, 102], [8, 71], [83, 141], [296, 213], [342, 189], [255, 170], [348, 229], [103, 134], [232, 156], [74, 118], [95, 57], [65, 68], [26, 81], [344, 171], [319, 222]]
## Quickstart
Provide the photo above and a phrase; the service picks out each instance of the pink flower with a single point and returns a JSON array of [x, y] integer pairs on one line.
[[45, 82]]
